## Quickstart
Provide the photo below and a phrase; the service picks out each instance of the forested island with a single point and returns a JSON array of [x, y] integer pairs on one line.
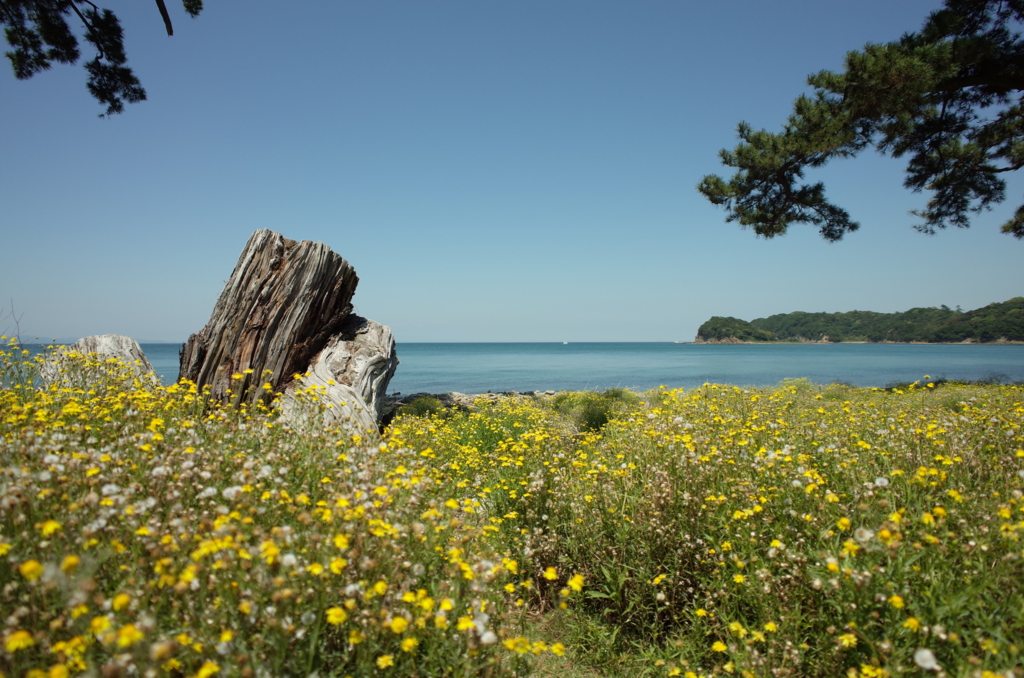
[[995, 323]]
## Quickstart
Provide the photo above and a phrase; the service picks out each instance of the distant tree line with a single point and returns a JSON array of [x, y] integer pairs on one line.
[[995, 322]]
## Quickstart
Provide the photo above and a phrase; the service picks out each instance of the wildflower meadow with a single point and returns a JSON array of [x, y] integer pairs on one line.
[[798, 530]]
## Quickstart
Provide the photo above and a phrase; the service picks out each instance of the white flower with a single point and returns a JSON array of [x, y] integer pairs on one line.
[[207, 493], [488, 638], [863, 535], [231, 493], [926, 660], [289, 560], [109, 489], [160, 472], [881, 482]]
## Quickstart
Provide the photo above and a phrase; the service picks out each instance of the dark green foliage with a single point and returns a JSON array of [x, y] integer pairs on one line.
[[591, 410], [995, 322], [912, 325], [422, 407], [39, 34], [719, 328], [947, 96]]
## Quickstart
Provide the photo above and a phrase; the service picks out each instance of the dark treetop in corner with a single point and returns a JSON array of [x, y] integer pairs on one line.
[[948, 95], [39, 34]]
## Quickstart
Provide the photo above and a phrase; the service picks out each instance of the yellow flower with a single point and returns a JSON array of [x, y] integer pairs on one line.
[[337, 565], [739, 578], [465, 623], [48, 527], [738, 629], [576, 582], [551, 574], [770, 627], [207, 670], [19, 640], [121, 601], [557, 649], [315, 569], [98, 625], [128, 635], [355, 637], [719, 646], [4, 548], [896, 601], [409, 644], [31, 569], [912, 623], [518, 645], [385, 661], [399, 625], [701, 612], [336, 616], [843, 523], [69, 564], [848, 640]]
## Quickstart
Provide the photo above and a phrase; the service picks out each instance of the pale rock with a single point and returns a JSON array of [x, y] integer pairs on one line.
[[349, 377], [102, 345]]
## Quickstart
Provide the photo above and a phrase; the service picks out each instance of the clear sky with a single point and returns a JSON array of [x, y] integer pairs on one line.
[[501, 170]]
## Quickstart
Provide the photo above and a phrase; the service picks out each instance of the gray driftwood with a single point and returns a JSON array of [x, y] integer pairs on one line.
[[359, 357], [280, 307], [287, 310]]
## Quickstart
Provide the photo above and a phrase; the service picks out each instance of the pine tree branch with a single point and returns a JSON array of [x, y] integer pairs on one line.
[[166, 17]]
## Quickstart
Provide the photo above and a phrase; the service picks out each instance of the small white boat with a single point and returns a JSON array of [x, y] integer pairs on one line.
[[565, 343]]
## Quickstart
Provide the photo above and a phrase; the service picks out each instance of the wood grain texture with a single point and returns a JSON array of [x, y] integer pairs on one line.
[[283, 302], [361, 358]]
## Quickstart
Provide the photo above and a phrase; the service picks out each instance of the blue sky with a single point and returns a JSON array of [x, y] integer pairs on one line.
[[495, 171]]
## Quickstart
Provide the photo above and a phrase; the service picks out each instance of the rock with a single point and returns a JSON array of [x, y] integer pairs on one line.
[[313, 405], [352, 372], [280, 307], [103, 345]]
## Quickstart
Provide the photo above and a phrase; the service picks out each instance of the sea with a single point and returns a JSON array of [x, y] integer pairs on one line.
[[497, 367]]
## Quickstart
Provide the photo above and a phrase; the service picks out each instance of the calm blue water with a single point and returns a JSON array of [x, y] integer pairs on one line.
[[477, 368]]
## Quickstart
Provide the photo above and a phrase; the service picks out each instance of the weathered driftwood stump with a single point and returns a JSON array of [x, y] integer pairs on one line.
[[281, 305], [284, 317], [102, 346], [359, 360]]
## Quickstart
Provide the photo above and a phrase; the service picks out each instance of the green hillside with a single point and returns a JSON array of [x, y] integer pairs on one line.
[[719, 328], [995, 322]]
